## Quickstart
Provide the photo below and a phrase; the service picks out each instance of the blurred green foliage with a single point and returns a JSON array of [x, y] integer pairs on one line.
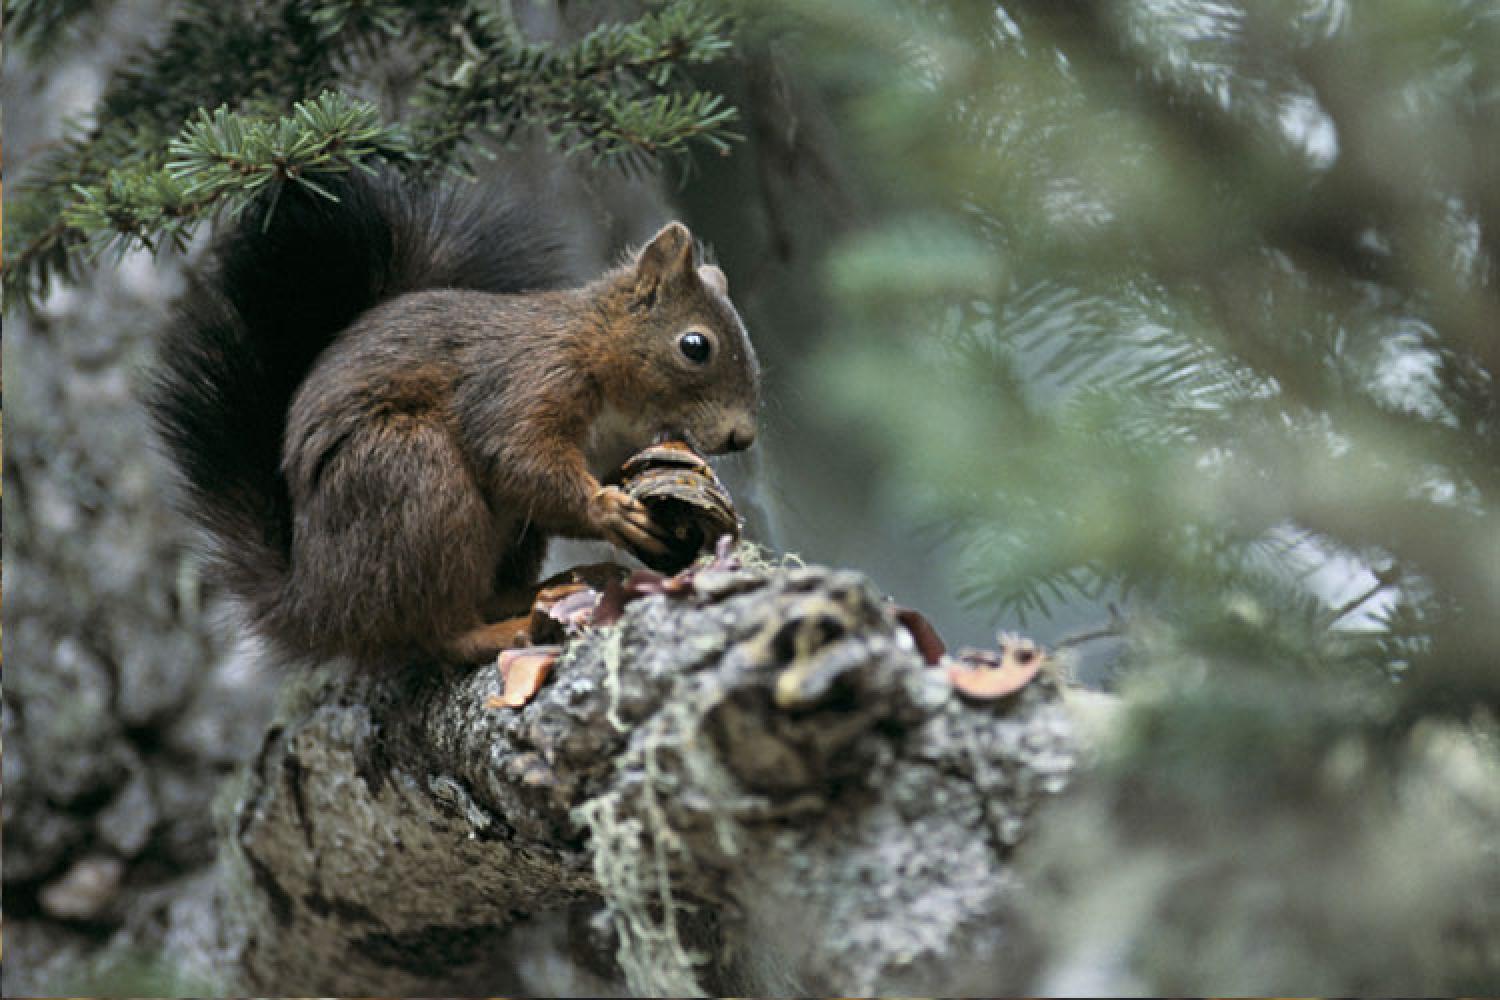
[[1187, 305], [1190, 309]]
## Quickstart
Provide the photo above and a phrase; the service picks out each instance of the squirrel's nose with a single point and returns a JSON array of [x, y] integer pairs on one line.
[[740, 438]]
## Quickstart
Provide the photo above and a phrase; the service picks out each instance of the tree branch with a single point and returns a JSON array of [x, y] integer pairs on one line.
[[755, 785]]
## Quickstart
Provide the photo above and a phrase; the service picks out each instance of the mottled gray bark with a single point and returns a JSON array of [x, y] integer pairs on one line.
[[754, 786]]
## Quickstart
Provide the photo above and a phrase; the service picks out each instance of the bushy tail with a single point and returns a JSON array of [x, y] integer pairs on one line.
[[279, 288]]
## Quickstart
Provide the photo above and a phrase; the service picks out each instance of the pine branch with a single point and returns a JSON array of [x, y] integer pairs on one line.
[[117, 182], [223, 160], [607, 92], [333, 17], [1383, 579], [40, 26], [212, 54]]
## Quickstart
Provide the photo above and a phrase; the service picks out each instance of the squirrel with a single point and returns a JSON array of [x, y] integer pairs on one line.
[[383, 406]]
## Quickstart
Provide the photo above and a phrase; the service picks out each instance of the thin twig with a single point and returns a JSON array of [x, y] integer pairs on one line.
[[1113, 629], [1091, 635], [1383, 579]]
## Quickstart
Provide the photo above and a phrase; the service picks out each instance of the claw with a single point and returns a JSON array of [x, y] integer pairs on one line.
[[651, 543], [637, 536], [625, 522]]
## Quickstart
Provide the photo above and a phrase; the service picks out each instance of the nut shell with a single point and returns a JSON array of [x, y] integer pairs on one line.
[[686, 500]]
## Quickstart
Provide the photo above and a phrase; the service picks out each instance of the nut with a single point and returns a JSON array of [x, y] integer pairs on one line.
[[686, 501]]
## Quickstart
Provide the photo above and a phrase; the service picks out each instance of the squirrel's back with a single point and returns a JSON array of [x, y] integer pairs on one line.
[[279, 287]]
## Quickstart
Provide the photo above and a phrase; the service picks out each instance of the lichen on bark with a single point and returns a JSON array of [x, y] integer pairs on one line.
[[755, 784]]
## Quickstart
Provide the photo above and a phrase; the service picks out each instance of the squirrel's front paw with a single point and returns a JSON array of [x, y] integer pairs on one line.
[[621, 519]]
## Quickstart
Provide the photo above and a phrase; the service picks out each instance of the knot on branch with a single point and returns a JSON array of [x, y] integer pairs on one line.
[[809, 709]]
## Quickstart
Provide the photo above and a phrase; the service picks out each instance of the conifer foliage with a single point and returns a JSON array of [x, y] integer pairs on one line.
[[238, 98], [1192, 307], [1189, 310]]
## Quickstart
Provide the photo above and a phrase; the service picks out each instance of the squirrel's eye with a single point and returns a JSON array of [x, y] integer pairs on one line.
[[694, 346]]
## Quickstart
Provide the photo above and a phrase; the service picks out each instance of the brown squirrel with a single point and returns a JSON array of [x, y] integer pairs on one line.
[[382, 408]]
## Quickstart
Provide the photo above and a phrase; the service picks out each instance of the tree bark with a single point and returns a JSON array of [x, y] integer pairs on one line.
[[755, 785]]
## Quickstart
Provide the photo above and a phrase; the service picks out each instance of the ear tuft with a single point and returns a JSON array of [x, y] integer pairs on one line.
[[666, 259]]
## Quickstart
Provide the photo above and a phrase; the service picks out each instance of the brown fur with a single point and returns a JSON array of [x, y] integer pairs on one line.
[[446, 435]]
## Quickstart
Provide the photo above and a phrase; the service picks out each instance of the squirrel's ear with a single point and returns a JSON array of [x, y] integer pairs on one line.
[[714, 278], [667, 258]]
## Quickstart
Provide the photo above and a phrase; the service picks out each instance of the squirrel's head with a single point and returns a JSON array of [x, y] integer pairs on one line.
[[690, 355]]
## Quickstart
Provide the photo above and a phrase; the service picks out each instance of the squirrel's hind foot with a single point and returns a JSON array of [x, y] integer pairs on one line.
[[485, 642]]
